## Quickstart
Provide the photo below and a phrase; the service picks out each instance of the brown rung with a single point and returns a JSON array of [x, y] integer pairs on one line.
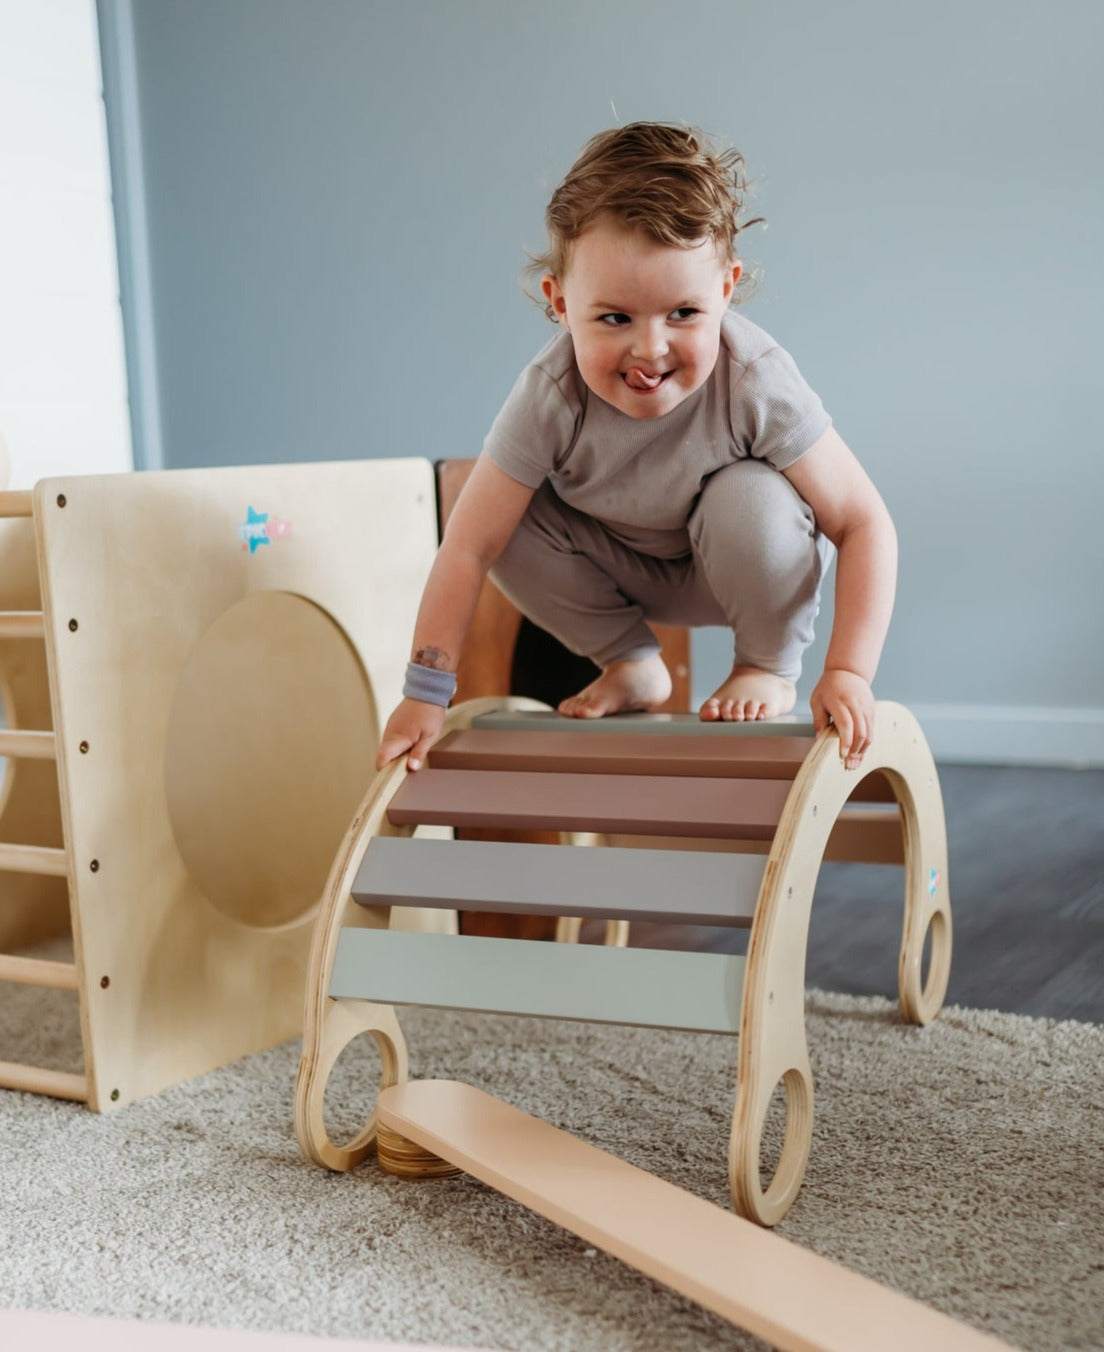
[[44, 859], [24, 744], [34, 1080], [22, 624], [38, 972], [646, 804], [620, 753], [17, 503]]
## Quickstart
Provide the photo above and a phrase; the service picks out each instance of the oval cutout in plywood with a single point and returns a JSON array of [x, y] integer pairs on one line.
[[270, 745]]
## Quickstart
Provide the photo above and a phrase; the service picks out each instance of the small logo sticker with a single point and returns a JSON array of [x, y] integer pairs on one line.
[[934, 879], [261, 528]]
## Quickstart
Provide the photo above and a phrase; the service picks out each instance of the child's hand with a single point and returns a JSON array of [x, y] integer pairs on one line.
[[845, 700], [414, 727]]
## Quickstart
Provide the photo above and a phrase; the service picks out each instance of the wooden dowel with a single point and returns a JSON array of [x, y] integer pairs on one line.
[[26, 745], [38, 972], [17, 503], [34, 859], [34, 1080], [22, 624]]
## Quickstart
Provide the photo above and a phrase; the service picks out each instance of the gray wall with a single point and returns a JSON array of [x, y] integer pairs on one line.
[[338, 195]]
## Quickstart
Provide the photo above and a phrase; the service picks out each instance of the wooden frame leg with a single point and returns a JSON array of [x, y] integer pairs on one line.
[[773, 1046], [329, 1025]]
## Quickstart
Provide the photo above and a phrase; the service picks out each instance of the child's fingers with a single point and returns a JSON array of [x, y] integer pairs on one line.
[[420, 750], [390, 748]]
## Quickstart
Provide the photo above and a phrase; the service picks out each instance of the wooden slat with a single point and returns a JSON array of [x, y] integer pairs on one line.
[[24, 744], [19, 502], [38, 972], [33, 859], [684, 887], [647, 805], [649, 987], [54, 1083], [665, 725], [22, 624], [615, 753], [785, 1294], [639, 753]]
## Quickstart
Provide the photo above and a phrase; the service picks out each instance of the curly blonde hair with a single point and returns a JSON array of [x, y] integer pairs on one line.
[[663, 178]]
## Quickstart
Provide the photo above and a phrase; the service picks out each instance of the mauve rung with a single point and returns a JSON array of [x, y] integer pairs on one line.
[[615, 753], [738, 809], [678, 886], [664, 725]]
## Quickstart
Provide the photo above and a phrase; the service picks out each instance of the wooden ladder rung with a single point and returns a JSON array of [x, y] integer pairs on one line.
[[777, 1290], [42, 859], [648, 987], [621, 754], [22, 624], [681, 886], [24, 744], [38, 972], [635, 753], [34, 1080], [642, 804], [662, 725], [16, 502]]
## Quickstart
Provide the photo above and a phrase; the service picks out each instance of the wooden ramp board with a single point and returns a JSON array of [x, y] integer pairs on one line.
[[100, 1333], [641, 804], [682, 886], [548, 720], [790, 1296], [646, 987]]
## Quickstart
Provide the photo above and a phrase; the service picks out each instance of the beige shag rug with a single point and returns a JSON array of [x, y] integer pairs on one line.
[[962, 1163]]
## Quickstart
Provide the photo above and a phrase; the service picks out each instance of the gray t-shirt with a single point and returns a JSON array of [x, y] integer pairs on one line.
[[641, 477]]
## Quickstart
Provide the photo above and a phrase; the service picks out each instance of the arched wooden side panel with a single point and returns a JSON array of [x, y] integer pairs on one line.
[[773, 1047], [329, 1026]]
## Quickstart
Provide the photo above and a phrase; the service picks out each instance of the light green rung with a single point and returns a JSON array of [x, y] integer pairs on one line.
[[649, 987]]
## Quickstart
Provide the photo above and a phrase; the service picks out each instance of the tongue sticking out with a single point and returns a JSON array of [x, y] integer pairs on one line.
[[636, 379]]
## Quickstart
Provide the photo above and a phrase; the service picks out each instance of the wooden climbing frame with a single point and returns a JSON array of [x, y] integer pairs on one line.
[[719, 824]]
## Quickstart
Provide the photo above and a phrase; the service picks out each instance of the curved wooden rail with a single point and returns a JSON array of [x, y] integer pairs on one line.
[[329, 1025], [773, 1048]]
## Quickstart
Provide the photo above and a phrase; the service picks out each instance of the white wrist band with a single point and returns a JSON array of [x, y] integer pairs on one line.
[[429, 685]]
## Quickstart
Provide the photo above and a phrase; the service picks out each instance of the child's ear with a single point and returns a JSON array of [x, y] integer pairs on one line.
[[732, 277], [553, 294]]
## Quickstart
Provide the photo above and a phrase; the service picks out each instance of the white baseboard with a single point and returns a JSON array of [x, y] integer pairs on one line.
[[986, 734]]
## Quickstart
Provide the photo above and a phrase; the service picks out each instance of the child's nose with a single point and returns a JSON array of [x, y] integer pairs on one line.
[[650, 341]]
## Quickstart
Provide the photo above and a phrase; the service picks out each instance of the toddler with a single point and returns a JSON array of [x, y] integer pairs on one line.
[[660, 459]]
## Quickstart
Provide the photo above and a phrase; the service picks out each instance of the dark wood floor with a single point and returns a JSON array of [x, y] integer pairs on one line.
[[1027, 897]]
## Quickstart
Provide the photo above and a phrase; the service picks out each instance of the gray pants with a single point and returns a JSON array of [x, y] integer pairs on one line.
[[755, 566]]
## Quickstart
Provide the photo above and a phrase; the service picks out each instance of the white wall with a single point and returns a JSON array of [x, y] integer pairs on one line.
[[63, 395]]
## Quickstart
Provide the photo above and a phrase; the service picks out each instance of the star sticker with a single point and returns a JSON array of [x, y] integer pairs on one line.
[[255, 537]]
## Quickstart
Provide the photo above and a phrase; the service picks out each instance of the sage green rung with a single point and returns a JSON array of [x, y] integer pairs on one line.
[[687, 887], [547, 720], [648, 987]]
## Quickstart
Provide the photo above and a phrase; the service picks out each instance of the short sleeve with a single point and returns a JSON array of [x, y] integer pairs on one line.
[[776, 416], [535, 428]]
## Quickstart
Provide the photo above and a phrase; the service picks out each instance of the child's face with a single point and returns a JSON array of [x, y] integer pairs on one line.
[[645, 317]]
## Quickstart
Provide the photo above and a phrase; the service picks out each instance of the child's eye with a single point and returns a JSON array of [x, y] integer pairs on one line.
[[614, 319], [684, 312]]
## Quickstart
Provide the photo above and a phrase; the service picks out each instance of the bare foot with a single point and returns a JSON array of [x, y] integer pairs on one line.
[[747, 696], [623, 687]]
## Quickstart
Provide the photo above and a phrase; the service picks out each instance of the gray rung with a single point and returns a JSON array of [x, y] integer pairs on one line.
[[541, 720], [686, 887], [649, 987]]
